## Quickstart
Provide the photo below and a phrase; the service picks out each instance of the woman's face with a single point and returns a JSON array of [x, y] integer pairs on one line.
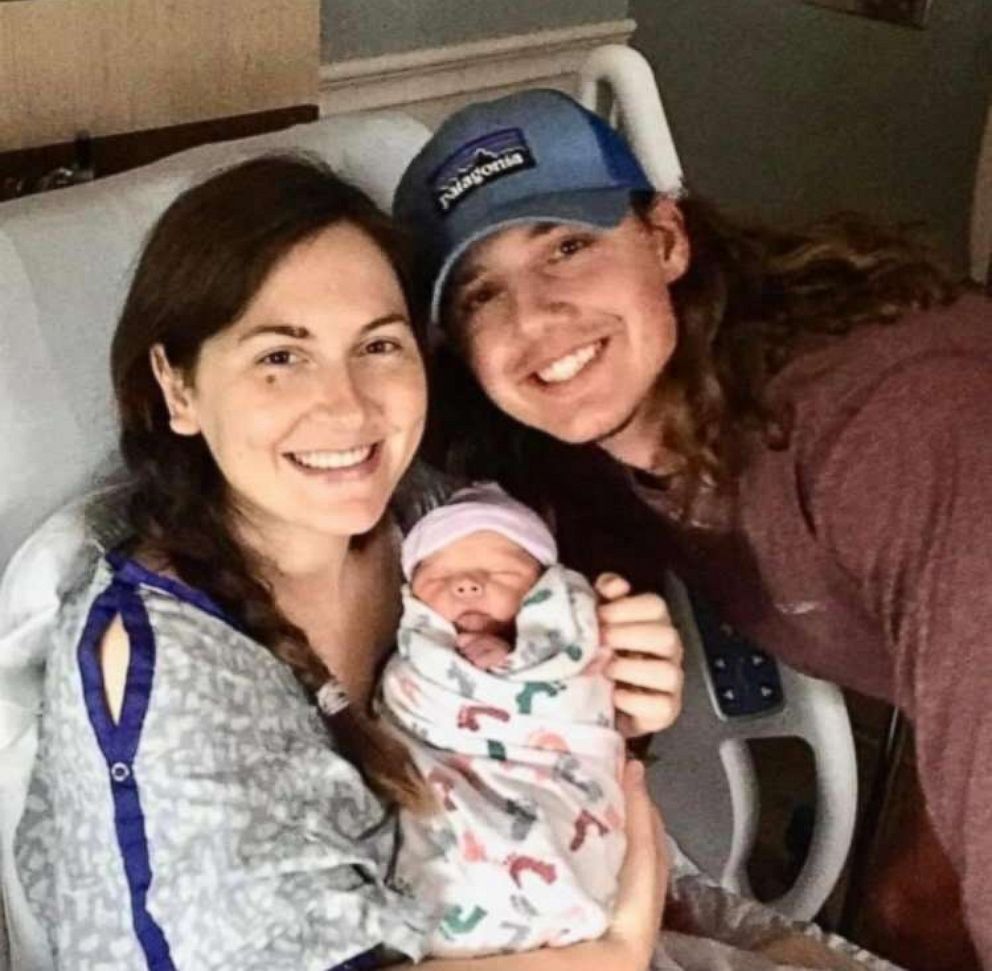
[[313, 402]]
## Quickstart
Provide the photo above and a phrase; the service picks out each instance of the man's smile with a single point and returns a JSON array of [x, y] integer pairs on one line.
[[565, 368]]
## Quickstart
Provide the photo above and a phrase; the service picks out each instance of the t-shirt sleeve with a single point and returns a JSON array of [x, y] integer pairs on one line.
[[903, 499]]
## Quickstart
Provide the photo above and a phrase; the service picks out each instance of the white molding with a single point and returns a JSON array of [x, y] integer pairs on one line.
[[430, 82]]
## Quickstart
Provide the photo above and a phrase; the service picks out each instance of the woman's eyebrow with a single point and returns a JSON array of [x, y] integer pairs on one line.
[[302, 333], [384, 321], [282, 330]]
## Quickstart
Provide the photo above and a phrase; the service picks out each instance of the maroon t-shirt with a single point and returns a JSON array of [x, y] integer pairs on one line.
[[861, 554]]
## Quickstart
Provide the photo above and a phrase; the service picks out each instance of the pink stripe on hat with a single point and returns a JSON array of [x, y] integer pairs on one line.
[[484, 506]]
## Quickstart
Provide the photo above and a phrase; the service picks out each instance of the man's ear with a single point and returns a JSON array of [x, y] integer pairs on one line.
[[176, 392], [666, 224]]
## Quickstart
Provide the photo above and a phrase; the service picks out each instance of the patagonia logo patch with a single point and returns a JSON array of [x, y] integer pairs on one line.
[[477, 164]]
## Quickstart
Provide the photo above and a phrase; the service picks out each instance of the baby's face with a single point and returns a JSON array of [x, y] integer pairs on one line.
[[477, 582]]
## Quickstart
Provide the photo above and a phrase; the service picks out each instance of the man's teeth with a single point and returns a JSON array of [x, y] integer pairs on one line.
[[567, 367], [333, 460]]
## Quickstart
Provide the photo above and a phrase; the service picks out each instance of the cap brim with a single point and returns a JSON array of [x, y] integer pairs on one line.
[[597, 208]]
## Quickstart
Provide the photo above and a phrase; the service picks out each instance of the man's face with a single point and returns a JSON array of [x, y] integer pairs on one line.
[[566, 328]]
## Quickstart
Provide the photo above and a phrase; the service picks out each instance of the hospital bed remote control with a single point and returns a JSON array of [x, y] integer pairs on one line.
[[744, 680]]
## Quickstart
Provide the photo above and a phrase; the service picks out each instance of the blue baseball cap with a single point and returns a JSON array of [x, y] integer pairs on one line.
[[535, 156]]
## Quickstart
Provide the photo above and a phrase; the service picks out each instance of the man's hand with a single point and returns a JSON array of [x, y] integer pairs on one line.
[[647, 662]]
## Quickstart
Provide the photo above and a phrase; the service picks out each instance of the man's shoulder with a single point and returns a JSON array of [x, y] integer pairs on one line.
[[923, 354]]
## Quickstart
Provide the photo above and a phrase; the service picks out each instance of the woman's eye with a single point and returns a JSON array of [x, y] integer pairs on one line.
[[281, 358], [383, 345]]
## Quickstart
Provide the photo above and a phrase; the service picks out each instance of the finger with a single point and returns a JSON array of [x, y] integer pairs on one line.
[[611, 586], [641, 606], [626, 725], [492, 655], [648, 674], [653, 638], [648, 711], [640, 874], [663, 857], [483, 652]]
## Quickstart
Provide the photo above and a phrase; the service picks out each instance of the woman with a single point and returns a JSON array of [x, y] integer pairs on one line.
[[798, 422], [189, 806]]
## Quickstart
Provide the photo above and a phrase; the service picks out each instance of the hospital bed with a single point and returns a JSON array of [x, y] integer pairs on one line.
[[64, 264]]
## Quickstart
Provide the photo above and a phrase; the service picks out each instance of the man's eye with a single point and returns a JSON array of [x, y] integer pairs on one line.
[[570, 245], [475, 299]]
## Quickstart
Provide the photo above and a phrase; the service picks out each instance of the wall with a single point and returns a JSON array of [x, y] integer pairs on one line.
[[788, 110], [113, 66], [365, 28]]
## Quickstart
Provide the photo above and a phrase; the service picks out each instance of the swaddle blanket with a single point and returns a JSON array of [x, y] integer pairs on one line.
[[526, 764]]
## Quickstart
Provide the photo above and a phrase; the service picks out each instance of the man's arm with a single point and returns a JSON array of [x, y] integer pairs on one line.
[[904, 501]]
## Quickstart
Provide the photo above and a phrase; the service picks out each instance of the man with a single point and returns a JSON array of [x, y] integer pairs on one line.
[[800, 422]]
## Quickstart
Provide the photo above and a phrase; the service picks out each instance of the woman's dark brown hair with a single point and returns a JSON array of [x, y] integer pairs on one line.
[[203, 262], [750, 300]]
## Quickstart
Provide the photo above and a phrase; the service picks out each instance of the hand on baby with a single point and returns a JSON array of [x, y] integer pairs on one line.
[[647, 659], [485, 651]]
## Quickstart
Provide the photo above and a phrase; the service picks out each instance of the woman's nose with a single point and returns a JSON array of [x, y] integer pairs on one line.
[[341, 399], [467, 586]]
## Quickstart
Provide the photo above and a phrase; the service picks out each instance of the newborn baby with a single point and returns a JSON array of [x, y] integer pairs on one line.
[[498, 689], [477, 582]]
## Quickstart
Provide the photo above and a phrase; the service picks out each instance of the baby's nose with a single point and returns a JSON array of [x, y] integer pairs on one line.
[[467, 585]]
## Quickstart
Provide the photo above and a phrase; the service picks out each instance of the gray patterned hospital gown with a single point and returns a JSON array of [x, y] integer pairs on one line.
[[213, 826]]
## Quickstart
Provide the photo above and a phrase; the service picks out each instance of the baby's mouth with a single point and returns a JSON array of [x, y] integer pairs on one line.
[[479, 622], [473, 622]]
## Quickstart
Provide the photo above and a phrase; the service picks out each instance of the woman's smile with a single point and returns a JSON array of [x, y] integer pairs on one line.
[[338, 464]]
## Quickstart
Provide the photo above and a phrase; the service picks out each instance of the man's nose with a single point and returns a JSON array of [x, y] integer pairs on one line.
[[467, 586], [538, 304]]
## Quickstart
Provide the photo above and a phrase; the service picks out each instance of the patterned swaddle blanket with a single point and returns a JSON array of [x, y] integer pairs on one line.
[[526, 764]]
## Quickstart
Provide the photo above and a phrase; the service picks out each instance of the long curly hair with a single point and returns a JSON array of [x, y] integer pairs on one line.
[[203, 262], [750, 300]]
